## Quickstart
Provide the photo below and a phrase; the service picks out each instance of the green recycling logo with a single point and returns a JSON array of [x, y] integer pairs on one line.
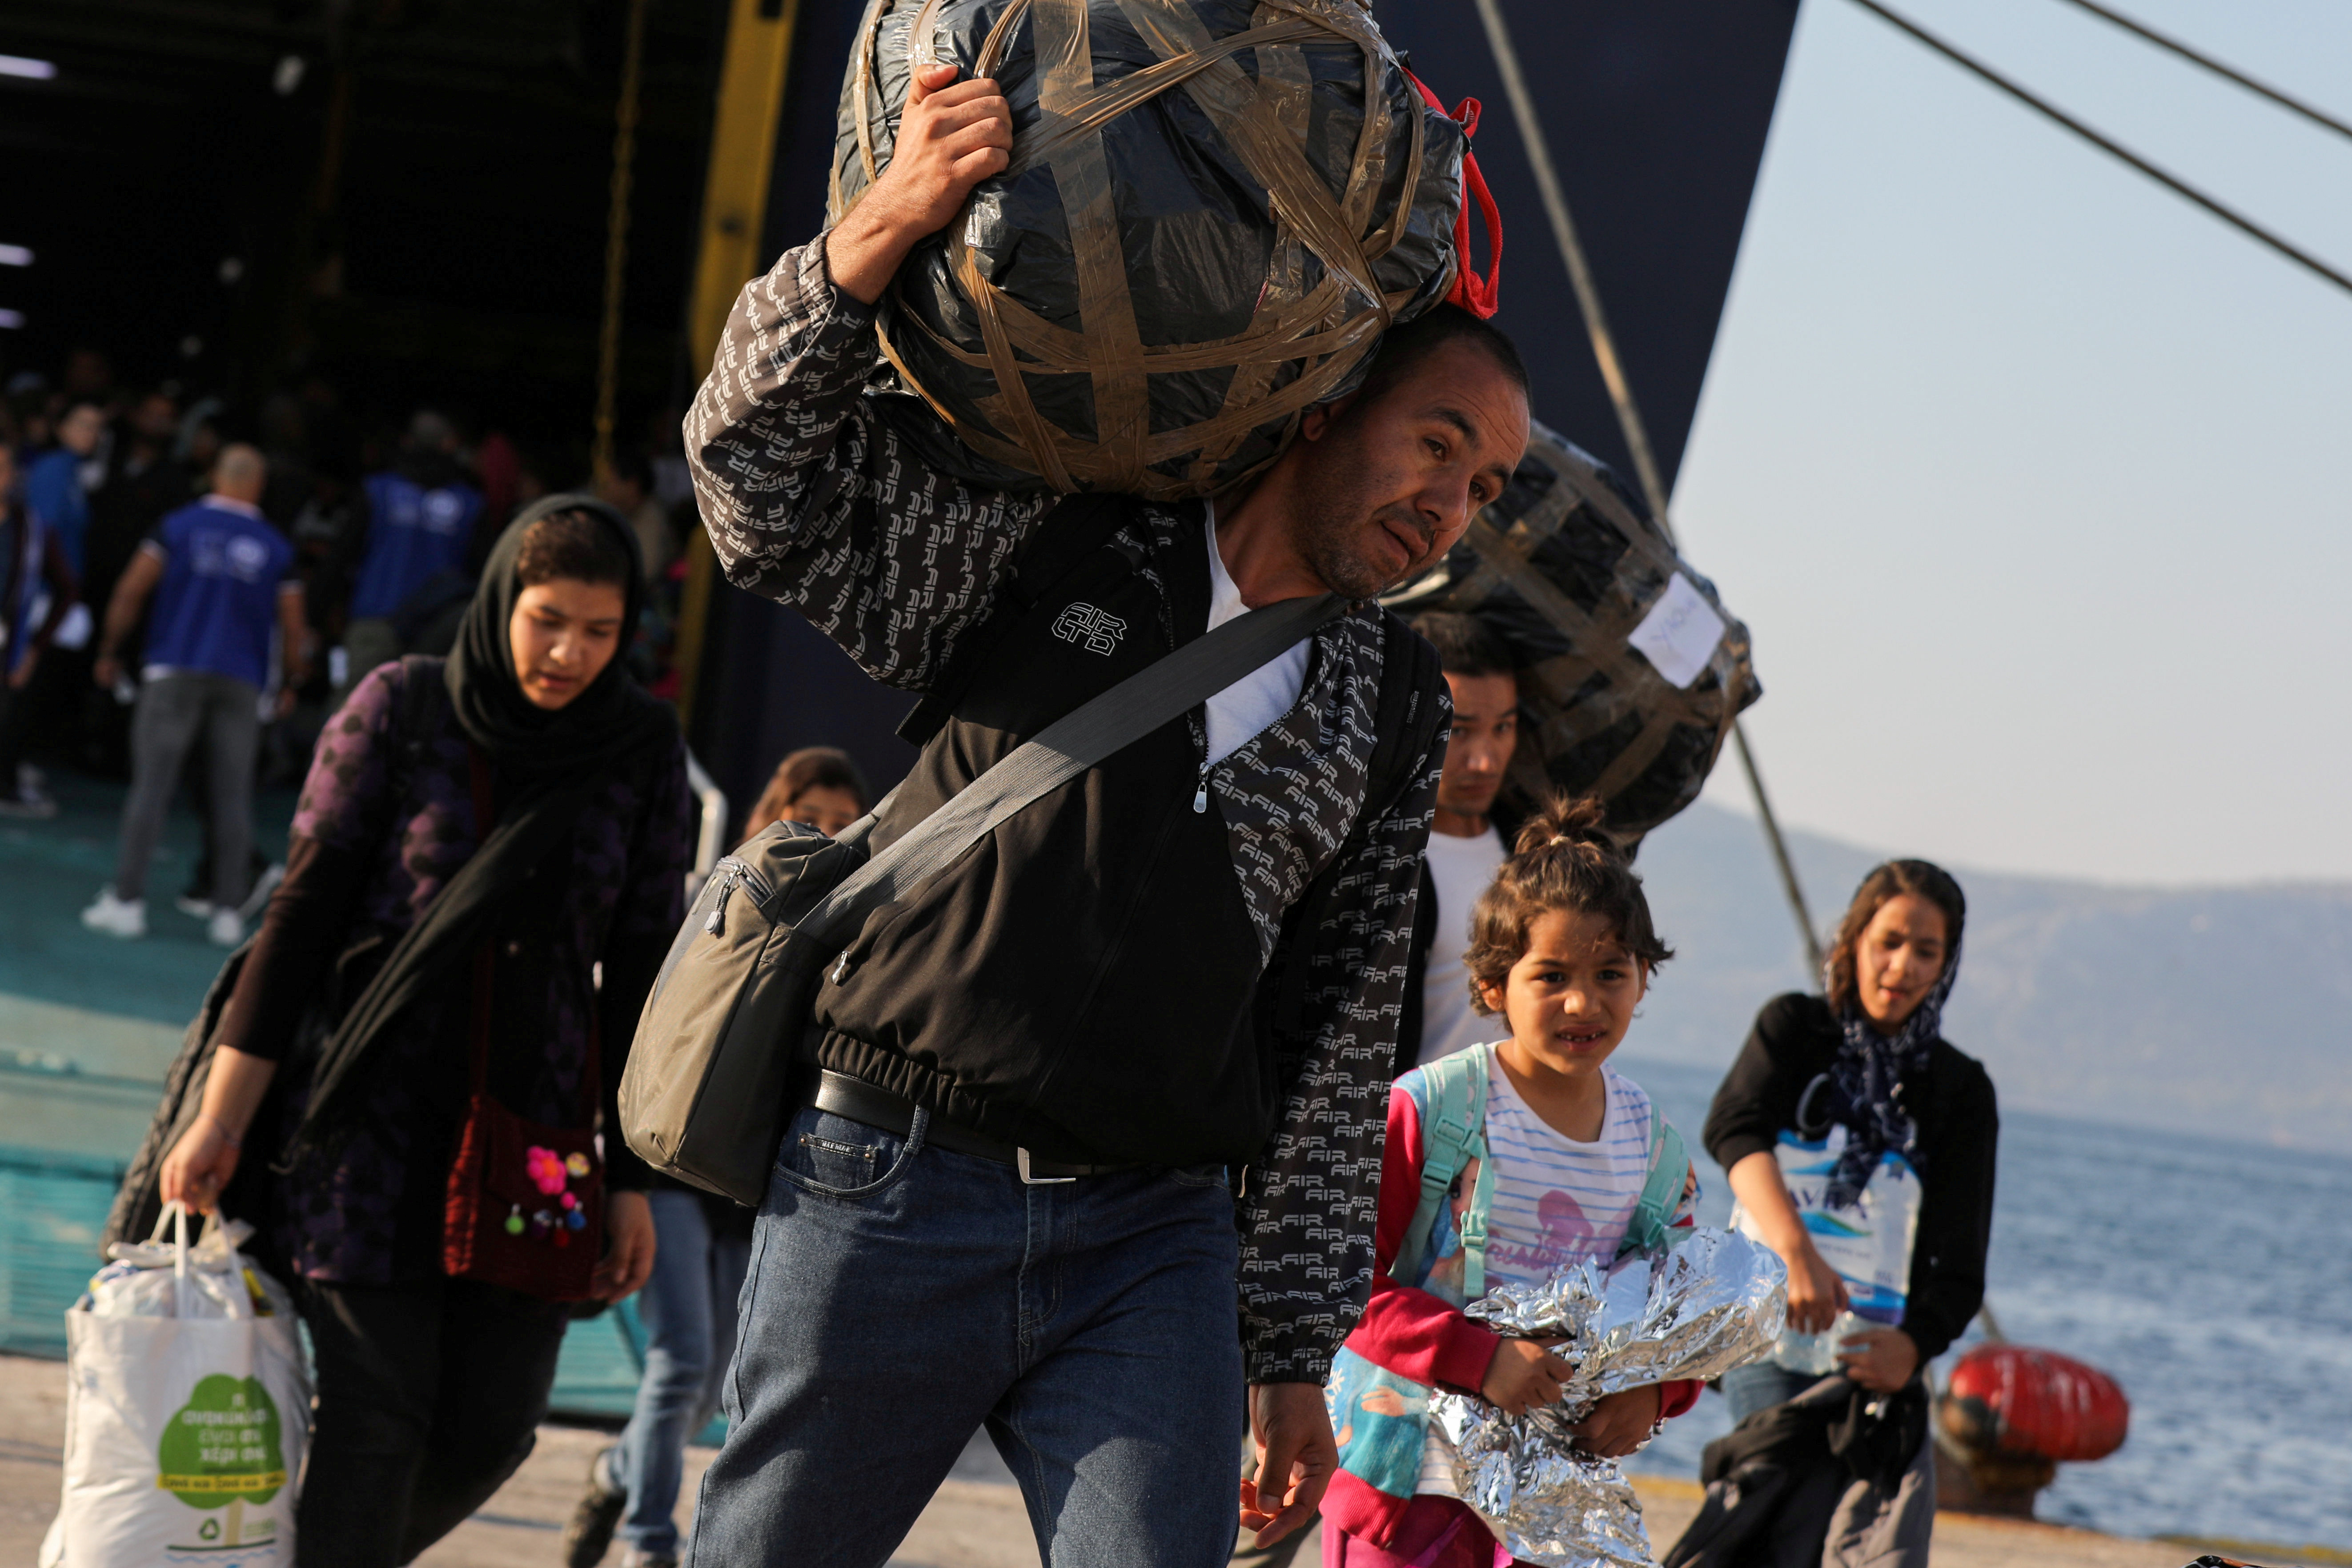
[[224, 1444]]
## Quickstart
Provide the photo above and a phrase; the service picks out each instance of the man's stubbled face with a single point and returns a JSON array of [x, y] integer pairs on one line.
[[1389, 486]]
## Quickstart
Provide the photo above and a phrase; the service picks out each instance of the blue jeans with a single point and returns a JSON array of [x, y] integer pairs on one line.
[[688, 1310], [902, 1297]]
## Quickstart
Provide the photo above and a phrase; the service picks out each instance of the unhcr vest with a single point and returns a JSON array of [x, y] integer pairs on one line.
[[413, 535]]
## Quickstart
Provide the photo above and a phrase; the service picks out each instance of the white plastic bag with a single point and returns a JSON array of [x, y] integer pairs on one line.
[[187, 1410]]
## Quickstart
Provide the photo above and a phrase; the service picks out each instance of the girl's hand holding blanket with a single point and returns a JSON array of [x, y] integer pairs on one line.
[[1620, 1422], [1524, 1375]]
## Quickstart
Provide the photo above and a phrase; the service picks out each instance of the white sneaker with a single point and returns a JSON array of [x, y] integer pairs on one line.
[[194, 907], [27, 796], [32, 808], [226, 928], [125, 918]]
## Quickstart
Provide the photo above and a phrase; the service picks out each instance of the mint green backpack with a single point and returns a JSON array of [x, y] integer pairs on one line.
[[1380, 1437]]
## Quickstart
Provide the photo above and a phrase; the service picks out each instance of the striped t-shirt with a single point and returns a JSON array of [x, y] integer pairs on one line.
[[1556, 1201]]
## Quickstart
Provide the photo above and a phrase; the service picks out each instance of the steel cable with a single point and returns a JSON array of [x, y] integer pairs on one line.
[[2165, 41], [2114, 149]]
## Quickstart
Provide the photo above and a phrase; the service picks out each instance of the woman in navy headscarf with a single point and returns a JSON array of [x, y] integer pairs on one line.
[[1857, 1094]]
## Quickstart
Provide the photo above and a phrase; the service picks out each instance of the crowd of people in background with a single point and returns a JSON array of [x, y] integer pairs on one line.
[[123, 590], [197, 602]]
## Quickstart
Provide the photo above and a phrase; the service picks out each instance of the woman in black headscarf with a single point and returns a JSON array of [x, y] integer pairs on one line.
[[485, 871], [1858, 1089]]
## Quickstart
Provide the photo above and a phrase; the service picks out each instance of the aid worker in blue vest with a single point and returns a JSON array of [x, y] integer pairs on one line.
[[414, 533], [223, 587]]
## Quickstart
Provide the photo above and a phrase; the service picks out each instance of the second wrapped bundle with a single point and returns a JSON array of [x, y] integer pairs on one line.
[[1213, 209], [1716, 1302], [1631, 668]]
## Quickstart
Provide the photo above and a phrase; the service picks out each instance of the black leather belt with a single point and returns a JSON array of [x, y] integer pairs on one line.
[[861, 1101]]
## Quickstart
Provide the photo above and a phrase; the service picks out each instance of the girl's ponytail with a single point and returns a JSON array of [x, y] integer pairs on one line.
[[1564, 821]]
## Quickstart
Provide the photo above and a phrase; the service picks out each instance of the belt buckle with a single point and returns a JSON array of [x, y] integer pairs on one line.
[[1021, 1162]]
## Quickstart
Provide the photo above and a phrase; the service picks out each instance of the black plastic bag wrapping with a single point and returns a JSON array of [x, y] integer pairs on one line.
[[1630, 671], [1197, 239]]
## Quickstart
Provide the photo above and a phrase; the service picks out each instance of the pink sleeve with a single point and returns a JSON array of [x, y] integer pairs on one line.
[[1411, 1332]]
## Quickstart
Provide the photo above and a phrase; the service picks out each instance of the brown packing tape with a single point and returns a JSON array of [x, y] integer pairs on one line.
[[1288, 83], [923, 38], [999, 42], [1634, 760], [1066, 64], [1284, 76], [1579, 485], [1231, 101], [1291, 332], [890, 353], [1099, 107], [1588, 486], [1730, 655], [1028, 426], [865, 90], [1369, 169], [1076, 458], [1313, 386]]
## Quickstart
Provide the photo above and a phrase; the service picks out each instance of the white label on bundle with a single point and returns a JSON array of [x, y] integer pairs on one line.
[[1679, 634]]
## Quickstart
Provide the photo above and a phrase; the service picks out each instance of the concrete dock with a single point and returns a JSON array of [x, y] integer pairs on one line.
[[87, 1028], [977, 1520]]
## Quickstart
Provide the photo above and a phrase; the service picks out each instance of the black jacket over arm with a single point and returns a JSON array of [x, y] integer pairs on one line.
[[1796, 1037]]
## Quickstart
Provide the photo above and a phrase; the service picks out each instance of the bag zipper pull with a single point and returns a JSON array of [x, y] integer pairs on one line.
[[718, 917], [841, 970], [1201, 795]]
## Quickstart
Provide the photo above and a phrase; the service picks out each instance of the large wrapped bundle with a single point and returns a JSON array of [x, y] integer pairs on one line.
[[1213, 209], [1630, 668]]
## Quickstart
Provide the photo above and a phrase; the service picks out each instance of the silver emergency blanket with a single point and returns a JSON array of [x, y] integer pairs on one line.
[[1716, 1302]]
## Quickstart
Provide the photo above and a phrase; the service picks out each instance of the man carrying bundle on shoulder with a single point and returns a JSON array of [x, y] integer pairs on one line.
[[1131, 1052]]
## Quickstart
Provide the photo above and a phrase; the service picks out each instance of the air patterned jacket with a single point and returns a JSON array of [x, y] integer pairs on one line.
[[1166, 960]]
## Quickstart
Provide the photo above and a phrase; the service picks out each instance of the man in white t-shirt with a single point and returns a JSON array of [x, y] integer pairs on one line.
[[1465, 847]]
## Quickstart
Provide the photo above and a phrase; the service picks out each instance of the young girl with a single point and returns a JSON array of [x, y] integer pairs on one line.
[[817, 784], [1504, 1163]]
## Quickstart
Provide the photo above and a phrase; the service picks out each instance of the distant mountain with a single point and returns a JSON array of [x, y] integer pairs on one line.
[[2221, 1010]]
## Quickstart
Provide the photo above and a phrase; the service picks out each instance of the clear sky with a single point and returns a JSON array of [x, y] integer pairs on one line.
[[2033, 481]]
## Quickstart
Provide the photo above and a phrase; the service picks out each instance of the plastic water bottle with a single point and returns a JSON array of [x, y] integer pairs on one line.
[[1817, 1353]]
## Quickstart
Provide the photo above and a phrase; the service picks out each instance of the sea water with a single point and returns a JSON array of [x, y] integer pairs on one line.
[[2211, 1278]]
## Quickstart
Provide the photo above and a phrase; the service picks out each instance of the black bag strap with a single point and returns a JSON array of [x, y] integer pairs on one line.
[[1062, 750]]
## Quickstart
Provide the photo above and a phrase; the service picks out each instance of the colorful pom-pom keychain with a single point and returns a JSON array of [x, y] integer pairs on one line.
[[552, 1174]]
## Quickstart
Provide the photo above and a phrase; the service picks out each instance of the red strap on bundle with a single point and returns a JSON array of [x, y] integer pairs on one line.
[[1477, 295]]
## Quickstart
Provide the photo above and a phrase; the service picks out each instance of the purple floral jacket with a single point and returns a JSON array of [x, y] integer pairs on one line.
[[381, 828]]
